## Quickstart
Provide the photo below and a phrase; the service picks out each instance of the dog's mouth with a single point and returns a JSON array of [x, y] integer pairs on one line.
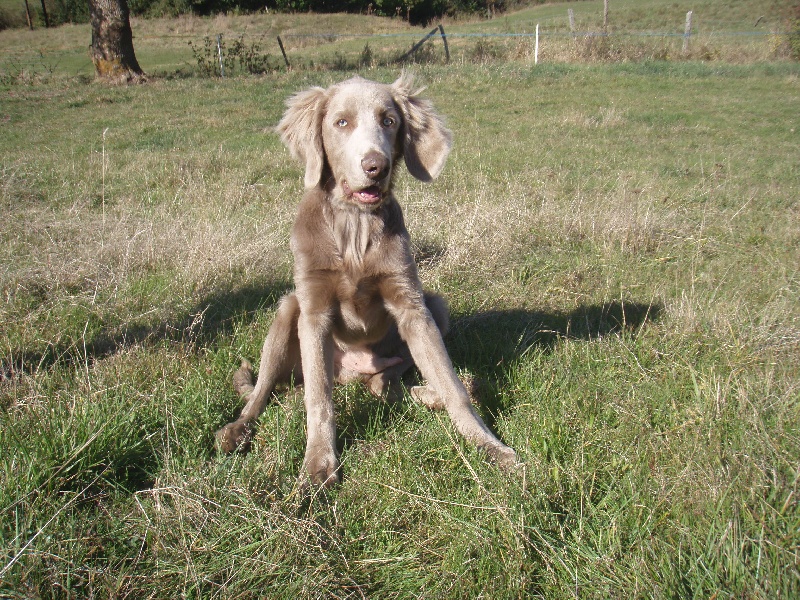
[[368, 196]]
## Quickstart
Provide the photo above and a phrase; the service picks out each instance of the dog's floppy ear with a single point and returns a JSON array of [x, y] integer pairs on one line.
[[300, 130], [426, 141]]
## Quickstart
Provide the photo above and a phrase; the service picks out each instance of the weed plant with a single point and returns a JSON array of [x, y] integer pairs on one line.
[[218, 57]]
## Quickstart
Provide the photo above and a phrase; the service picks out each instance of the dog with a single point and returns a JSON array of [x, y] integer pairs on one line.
[[358, 310]]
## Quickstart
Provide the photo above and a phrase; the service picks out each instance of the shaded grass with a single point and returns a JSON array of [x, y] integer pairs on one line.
[[619, 247]]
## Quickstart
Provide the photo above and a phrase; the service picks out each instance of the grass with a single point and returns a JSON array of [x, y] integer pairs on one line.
[[619, 246]]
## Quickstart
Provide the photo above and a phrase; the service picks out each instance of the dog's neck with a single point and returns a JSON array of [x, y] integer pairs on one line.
[[352, 230]]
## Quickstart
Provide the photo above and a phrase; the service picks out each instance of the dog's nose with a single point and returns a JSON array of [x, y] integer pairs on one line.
[[375, 165]]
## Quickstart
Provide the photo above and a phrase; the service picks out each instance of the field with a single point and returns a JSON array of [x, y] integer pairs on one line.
[[742, 31], [619, 243]]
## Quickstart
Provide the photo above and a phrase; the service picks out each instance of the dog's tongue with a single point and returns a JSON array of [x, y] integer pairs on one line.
[[370, 195]]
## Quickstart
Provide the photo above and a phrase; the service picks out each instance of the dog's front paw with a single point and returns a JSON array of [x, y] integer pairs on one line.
[[321, 470], [503, 456], [234, 436]]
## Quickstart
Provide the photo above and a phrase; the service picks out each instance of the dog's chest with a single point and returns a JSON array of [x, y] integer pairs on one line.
[[361, 313], [358, 264]]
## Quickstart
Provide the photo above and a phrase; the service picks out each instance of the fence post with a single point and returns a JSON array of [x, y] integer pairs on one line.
[[536, 47], [283, 51], [44, 14], [571, 15], [417, 46], [444, 39], [219, 53], [687, 32], [28, 15], [605, 16]]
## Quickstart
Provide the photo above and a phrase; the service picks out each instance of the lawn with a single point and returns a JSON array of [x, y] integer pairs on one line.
[[619, 244]]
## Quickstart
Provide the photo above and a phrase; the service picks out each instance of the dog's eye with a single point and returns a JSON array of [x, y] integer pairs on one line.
[[342, 123], [388, 121]]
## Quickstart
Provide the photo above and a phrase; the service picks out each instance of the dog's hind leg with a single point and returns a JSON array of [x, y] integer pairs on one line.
[[280, 358]]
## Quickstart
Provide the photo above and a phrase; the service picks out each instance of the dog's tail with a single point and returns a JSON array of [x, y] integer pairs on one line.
[[243, 379]]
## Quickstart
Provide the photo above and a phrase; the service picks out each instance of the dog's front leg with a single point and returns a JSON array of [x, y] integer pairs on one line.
[[321, 464], [418, 329]]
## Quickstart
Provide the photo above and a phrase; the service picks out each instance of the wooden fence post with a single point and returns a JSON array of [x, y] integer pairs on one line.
[[605, 16], [446, 47], [44, 14], [418, 45], [687, 32], [28, 15], [283, 51], [571, 15], [536, 47]]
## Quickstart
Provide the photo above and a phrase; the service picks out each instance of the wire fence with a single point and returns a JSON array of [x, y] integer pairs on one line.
[[342, 51], [236, 48]]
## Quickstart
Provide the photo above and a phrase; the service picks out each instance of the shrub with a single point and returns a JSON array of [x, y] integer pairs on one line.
[[237, 57], [160, 8], [68, 11], [10, 19]]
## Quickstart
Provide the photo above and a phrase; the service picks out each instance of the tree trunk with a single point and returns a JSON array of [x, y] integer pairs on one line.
[[112, 42]]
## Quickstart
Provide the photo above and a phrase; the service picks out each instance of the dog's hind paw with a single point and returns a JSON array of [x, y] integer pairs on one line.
[[234, 437], [243, 379], [385, 386], [425, 394]]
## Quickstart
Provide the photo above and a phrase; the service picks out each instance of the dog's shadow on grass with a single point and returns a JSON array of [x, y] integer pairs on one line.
[[211, 318], [481, 343], [201, 325], [484, 344]]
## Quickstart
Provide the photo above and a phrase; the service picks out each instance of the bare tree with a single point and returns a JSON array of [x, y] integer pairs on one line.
[[112, 42]]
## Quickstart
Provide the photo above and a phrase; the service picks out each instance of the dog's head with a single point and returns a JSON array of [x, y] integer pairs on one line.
[[351, 134]]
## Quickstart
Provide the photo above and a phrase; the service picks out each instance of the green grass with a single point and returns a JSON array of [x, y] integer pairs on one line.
[[619, 246]]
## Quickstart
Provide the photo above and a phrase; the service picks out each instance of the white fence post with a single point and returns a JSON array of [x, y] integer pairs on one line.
[[219, 52], [536, 48], [687, 32]]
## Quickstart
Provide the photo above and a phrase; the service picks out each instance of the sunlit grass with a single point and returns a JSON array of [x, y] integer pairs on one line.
[[619, 246]]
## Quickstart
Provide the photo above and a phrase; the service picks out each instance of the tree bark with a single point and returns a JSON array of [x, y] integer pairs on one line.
[[112, 42]]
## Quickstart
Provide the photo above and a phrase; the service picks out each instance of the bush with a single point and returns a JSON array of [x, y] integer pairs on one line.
[[159, 8], [10, 19], [68, 11], [237, 57]]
